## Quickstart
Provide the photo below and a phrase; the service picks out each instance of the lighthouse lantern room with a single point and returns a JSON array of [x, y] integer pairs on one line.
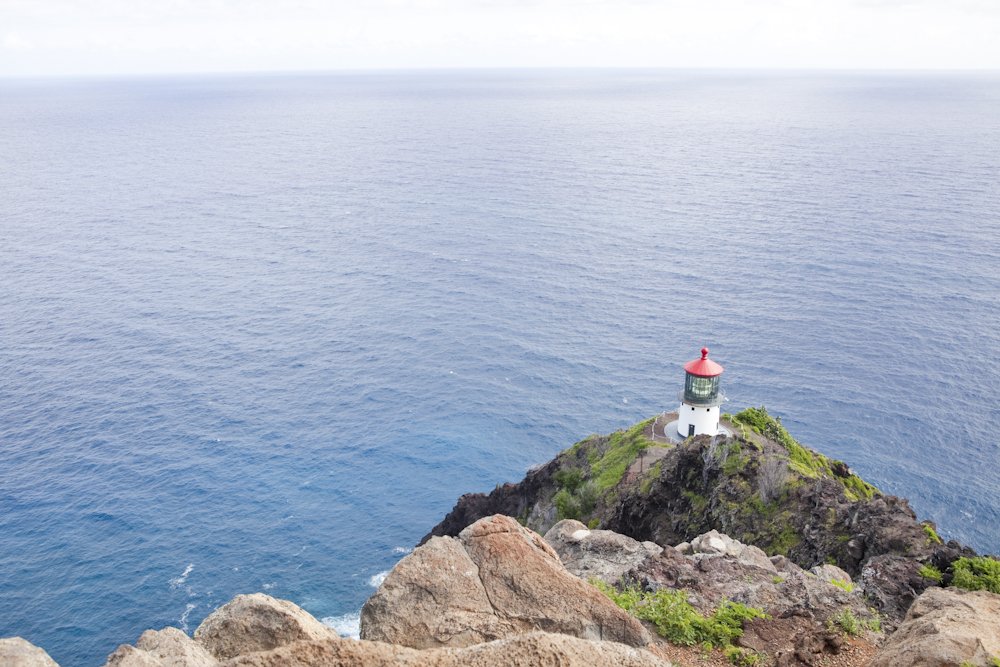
[[700, 398]]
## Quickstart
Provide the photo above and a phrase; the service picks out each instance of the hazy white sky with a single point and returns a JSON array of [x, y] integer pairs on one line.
[[153, 36]]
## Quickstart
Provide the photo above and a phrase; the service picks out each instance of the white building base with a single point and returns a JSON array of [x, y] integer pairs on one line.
[[704, 420]]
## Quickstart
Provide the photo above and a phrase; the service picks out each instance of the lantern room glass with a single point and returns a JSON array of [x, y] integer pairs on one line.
[[699, 389]]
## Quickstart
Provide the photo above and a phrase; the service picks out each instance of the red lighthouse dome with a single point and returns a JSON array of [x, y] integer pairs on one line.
[[704, 367]]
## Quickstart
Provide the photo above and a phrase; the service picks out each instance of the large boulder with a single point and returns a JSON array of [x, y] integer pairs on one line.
[[257, 622], [169, 647], [533, 649], [17, 652], [601, 554], [945, 626], [495, 581]]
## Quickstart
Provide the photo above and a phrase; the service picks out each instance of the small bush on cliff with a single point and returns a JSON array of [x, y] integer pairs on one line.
[[932, 535], [744, 656], [677, 620], [976, 574], [568, 478], [570, 505], [930, 572]]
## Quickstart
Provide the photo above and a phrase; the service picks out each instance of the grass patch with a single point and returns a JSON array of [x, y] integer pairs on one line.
[[932, 536], [678, 621], [623, 448], [930, 572]]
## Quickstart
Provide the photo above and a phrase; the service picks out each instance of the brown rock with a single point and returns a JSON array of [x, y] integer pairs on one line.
[[945, 626], [433, 598], [526, 650], [173, 648], [601, 554], [130, 656], [497, 580], [17, 652], [257, 622]]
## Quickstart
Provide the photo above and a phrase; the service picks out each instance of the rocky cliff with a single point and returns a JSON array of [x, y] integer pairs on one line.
[[760, 486]]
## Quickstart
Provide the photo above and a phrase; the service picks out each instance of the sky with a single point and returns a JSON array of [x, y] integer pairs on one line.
[[101, 37]]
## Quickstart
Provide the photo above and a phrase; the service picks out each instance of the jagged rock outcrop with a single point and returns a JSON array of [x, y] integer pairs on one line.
[[946, 626], [257, 622], [496, 580], [821, 513], [533, 649], [18, 652], [169, 647], [714, 567], [603, 554]]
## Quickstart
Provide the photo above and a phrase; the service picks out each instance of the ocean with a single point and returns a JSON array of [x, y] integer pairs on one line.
[[260, 332]]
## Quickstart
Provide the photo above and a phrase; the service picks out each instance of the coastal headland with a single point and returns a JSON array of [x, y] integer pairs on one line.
[[632, 549]]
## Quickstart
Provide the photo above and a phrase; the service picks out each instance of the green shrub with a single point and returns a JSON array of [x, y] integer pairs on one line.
[[931, 535], [976, 574], [846, 585], [568, 478], [930, 572], [678, 621], [743, 656], [567, 505], [847, 621]]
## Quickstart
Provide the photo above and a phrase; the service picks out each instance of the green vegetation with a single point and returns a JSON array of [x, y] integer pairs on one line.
[[622, 449], [678, 621], [786, 540], [577, 505], [801, 460], [568, 478], [930, 572], [744, 656], [777, 580], [845, 585], [976, 574], [846, 619], [931, 535]]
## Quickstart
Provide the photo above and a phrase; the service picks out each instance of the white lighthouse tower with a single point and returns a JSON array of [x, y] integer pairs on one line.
[[700, 398]]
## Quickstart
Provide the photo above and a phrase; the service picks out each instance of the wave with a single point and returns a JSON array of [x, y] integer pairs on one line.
[[348, 625]]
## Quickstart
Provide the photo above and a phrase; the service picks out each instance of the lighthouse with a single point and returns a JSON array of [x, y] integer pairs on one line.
[[700, 398]]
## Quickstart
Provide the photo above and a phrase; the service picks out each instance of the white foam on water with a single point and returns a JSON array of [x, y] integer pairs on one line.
[[184, 616], [348, 625], [402, 550], [174, 583], [377, 579]]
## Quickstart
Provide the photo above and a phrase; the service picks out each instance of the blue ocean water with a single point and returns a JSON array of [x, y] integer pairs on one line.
[[260, 332]]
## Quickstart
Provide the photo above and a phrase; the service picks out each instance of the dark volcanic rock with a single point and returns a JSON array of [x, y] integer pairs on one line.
[[822, 513]]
